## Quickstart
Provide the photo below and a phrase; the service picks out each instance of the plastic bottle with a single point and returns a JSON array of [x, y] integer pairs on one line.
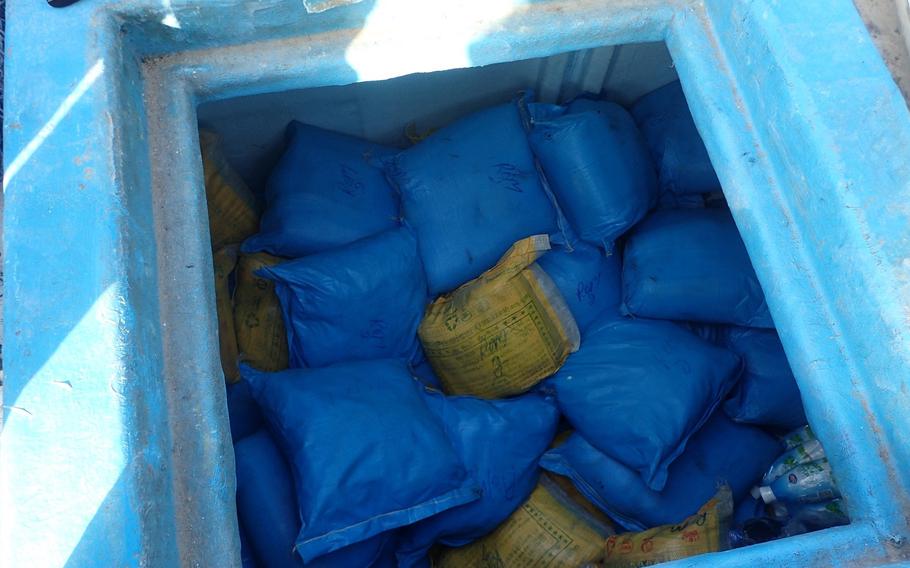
[[806, 483], [809, 451], [799, 436]]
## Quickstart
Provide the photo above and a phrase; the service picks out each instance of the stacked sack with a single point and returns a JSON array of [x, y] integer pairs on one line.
[[345, 458], [410, 326]]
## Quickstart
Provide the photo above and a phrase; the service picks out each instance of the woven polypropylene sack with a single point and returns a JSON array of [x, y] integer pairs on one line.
[[589, 280], [638, 390], [708, 530], [502, 333], [258, 322], [224, 260], [549, 529], [367, 453], [243, 412], [267, 509], [767, 394], [677, 148], [500, 443], [360, 301], [469, 191], [327, 190], [692, 265], [266, 503], [598, 167], [721, 452], [232, 208]]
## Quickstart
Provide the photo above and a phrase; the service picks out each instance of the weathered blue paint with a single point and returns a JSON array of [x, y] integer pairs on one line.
[[116, 448]]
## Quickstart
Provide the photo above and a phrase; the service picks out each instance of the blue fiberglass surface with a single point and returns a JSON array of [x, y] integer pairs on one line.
[[116, 446]]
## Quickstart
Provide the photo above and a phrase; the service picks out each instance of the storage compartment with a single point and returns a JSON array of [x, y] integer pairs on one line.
[[116, 445], [401, 113]]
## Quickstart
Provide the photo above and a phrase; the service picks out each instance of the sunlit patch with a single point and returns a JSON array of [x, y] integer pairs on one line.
[[57, 481], [433, 35], [71, 99], [170, 18]]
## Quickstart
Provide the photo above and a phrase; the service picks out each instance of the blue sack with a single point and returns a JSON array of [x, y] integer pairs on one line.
[[682, 160], [692, 265], [721, 452], [423, 371], [266, 504], [470, 191], [375, 552], [247, 560], [266, 501], [500, 443], [598, 167], [767, 394], [360, 301], [367, 453], [681, 201], [327, 190], [637, 390], [243, 414], [590, 282]]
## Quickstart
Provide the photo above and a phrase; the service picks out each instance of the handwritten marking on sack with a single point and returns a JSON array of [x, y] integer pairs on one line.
[[498, 367], [376, 333], [508, 176], [499, 334], [350, 182], [585, 291], [698, 520], [490, 344], [454, 316], [483, 352]]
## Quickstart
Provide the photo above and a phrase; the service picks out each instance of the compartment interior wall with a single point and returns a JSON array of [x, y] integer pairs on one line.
[[252, 127]]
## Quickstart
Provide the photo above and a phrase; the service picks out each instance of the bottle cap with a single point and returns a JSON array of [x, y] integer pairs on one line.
[[766, 494]]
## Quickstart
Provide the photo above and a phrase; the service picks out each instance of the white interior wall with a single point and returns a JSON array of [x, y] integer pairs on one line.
[[252, 127]]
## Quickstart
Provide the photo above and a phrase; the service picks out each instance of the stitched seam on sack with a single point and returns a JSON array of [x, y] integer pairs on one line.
[[455, 495]]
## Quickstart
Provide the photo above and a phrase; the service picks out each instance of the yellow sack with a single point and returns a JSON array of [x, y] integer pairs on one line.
[[233, 214], [503, 332], [258, 320], [224, 260], [705, 531], [549, 530]]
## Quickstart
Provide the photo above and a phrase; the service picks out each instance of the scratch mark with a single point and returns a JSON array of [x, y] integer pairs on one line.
[[19, 409]]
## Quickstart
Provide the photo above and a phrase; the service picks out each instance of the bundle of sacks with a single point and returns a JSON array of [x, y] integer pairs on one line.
[[446, 305]]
